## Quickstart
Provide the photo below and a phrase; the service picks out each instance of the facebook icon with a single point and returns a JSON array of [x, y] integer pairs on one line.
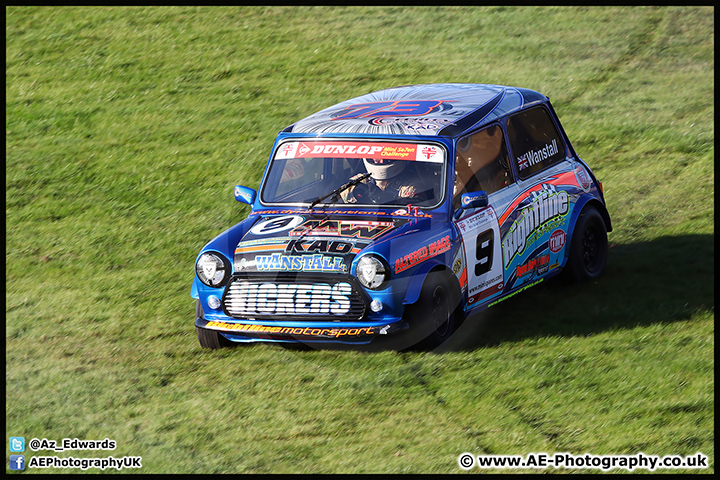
[[17, 462]]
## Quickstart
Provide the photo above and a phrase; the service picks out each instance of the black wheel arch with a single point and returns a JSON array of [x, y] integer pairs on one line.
[[574, 268], [600, 207]]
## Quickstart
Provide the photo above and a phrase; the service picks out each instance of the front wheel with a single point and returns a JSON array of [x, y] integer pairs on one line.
[[434, 316], [589, 246], [209, 338]]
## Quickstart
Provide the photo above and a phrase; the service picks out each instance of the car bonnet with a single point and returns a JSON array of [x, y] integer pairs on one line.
[[311, 242]]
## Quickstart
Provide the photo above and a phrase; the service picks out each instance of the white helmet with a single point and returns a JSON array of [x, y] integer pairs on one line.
[[384, 171]]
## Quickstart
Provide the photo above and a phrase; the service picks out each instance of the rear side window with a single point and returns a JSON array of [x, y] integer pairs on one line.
[[535, 142]]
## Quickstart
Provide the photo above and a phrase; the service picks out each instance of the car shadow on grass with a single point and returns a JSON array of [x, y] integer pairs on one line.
[[664, 280]]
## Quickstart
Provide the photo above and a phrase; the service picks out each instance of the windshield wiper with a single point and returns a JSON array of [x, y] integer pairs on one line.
[[341, 189]]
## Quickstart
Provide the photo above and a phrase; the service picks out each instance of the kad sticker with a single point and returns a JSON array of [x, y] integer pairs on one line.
[[337, 247]]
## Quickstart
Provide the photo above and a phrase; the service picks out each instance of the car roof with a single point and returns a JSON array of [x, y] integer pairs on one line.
[[446, 109]]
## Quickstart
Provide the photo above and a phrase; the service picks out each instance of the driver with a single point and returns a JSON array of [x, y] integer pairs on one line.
[[391, 181]]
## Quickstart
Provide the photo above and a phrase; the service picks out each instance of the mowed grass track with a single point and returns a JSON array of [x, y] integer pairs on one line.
[[126, 129]]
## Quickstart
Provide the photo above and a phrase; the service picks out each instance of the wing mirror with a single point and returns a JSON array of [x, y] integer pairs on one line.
[[245, 194], [472, 200]]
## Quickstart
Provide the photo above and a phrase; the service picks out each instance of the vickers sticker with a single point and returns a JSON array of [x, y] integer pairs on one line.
[[289, 299]]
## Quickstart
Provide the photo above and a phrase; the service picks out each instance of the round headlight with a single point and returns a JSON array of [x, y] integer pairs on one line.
[[371, 272], [212, 270]]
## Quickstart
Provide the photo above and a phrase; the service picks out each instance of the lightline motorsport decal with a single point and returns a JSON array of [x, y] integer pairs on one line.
[[546, 205]]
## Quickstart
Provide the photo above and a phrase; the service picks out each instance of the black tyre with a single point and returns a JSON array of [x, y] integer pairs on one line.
[[589, 247], [209, 338], [434, 317]]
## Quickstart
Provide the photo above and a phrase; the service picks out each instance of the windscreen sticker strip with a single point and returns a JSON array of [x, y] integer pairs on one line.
[[420, 152]]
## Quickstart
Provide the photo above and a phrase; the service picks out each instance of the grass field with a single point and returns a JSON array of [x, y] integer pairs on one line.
[[126, 129]]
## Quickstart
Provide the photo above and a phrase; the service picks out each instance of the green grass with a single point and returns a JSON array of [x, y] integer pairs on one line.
[[126, 129]]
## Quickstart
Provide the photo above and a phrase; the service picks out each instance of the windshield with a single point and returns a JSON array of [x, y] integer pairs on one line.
[[326, 172]]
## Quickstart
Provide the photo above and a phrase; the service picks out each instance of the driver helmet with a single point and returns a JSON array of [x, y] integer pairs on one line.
[[384, 169]]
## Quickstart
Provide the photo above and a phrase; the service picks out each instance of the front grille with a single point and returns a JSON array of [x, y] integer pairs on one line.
[[293, 296]]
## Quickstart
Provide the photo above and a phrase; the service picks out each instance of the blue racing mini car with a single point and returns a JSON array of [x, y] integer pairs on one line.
[[397, 215]]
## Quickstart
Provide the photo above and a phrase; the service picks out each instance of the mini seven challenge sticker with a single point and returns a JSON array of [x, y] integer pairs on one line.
[[420, 152]]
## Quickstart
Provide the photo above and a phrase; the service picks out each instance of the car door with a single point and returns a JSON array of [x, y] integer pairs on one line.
[[534, 224], [482, 165]]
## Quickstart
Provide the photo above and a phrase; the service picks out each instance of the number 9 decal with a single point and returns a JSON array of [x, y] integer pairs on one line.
[[484, 252], [480, 234]]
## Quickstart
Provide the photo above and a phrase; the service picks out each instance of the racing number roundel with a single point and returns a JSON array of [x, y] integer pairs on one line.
[[276, 224]]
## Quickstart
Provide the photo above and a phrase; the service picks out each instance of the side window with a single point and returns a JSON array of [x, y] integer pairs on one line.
[[481, 163], [535, 142]]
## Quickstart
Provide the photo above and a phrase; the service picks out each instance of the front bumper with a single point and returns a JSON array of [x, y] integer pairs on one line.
[[248, 331]]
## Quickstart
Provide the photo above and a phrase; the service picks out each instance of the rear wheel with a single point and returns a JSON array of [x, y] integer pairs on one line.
[[209, 338], [589, 246]]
